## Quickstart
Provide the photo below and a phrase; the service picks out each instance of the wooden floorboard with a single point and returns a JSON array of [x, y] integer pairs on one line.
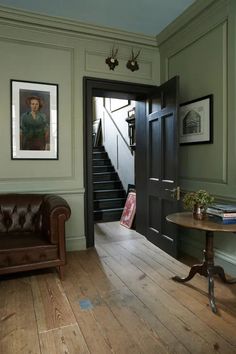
[[18, 325], [115, 298]]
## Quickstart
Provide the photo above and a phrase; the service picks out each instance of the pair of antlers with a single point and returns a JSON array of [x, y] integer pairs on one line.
[[132, 63], [133, 56]]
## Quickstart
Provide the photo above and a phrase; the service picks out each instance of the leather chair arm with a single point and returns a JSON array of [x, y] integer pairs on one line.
[[55, 211]]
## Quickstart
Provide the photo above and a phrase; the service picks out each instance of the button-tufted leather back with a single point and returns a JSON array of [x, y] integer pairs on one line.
[[20, 212]]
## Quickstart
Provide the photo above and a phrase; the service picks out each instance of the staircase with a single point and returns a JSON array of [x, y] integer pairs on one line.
[[108, 193]]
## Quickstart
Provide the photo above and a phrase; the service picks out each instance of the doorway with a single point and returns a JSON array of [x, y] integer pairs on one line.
[[113, 152], [156, 160], [113, 89]]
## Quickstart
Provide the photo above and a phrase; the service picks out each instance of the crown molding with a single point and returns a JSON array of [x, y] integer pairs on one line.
[[53, 23], [185, 18]]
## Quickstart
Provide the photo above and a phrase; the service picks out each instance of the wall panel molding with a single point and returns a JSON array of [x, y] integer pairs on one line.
[[75, 243], [95, 62], [193, 21], [207, 67], [48, 49], [56, 187], [29, 176], [182, 47], [27, 19]]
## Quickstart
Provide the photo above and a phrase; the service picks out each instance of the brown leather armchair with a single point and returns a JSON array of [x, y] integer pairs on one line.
[[32, 232]]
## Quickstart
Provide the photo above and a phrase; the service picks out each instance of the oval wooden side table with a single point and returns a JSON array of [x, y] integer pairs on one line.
[[207, 268]]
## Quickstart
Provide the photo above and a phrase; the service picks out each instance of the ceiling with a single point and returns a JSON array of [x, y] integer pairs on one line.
[[148, 17]]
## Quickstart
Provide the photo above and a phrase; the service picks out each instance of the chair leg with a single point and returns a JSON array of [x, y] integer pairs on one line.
[[60, 270]]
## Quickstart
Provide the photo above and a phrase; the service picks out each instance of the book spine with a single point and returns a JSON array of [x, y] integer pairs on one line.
[[223, 215], [223, 208], [228, 221], [222, 220]]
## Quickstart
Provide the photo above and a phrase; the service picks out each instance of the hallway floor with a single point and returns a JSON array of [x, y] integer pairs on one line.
[[116, 298]]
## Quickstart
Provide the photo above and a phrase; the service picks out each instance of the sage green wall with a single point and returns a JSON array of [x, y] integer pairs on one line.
[[202, 53], [42, 49]]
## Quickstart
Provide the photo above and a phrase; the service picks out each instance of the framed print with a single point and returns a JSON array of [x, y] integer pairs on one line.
[[129, 211], [34, 120], [196, 124]]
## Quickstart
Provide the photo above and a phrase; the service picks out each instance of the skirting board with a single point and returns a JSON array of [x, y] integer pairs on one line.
[[223, 259], [75, 243]]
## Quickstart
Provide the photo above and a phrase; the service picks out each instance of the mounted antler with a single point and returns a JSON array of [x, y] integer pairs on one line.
[[132, 63], [114, 53], [112, 61], [134, 57]]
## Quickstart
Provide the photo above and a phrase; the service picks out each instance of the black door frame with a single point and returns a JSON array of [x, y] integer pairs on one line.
[[95, 87]]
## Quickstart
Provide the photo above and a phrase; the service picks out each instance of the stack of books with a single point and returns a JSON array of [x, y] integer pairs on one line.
[[222, 213]]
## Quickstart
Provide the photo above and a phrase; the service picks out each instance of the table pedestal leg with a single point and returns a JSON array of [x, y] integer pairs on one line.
[[206, 269], [197, 268], [220, 271], [211, 295]]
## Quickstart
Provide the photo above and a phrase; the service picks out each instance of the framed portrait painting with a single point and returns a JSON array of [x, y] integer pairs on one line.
[[196, 123], [34, 120]]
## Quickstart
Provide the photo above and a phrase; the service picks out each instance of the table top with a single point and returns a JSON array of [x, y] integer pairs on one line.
[[186, 219]]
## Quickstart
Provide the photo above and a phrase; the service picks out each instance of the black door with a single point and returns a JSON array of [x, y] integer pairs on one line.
[[157, 166]]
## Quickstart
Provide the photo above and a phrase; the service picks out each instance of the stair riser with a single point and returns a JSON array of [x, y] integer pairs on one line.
[[99, 149], [107, 185], [109, 204], [101, 162], [105, 177], [108, 194], [103, 169], [107, 216], [100, 155]]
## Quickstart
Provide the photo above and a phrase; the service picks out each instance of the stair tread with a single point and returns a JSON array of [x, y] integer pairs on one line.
[[108, 181], [107, 158], [104, 173], [109, 190], [105, 168], [97, 155], [100, 166], [109, 199], [108, 195], [109, 209]]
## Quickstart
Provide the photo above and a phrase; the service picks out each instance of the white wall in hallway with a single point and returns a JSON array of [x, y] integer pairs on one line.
[[113, 139]]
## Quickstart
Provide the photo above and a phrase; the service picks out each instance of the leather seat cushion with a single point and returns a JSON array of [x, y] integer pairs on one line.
[[15, 240], [26, 249]]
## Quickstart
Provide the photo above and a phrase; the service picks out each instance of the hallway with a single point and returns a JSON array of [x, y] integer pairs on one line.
[[115, 298]]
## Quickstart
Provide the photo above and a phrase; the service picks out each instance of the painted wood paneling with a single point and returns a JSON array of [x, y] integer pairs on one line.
[[44, 49], [203, 54], [201, 67]]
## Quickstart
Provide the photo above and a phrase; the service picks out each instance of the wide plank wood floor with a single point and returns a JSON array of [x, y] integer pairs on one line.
[[116, 298]]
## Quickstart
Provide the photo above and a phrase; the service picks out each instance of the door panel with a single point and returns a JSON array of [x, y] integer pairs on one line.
[[154, 151], [140, 166], [162, 165], [168, 153]]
